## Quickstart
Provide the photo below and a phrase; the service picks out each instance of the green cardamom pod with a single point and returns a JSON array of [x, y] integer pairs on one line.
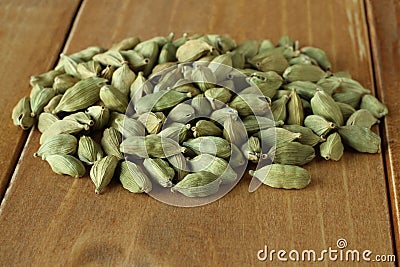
[[319, 124], [63, 82], [256, 123], [360, 138], [192, 50], [89, 69], [283, 176], [319, 55], [88, 150], [160, 171], [81, 95], [329, 85], [285, 41], [80, 117], [148, 49], [62, 126], [324, 105], [160, 101], [111, 141], [53, 103], [21, 114], [248, 48], [348, 84], [308, 137], [349, 97], [204, 77], [204, 128], [252, 149], [371, 103], [40, 100], [123, 78], [133, 178], [100, 115], [265, 45], [199, 184], [277, 63], [303, 72], [332, 148], [139, 88], [186, 87], [153, 121], [167, 53], [182, 113], [70, 65], [45, 120], [66, 164], [60, 144], [176, 131], [114, 118], [362, 117], [276, 137], [278, 108], [222, 114], [218, 97], [215, 165], [210, 145], [126, 44], [81, 56], [102, 172], [295, 111], [136, 61], [305, 89], [234, 131], [179, 163], [111, 57], [108, 72], [302, 59], [221, 66], [346, 110], [292, 153], [45, 79], [113, 98], [237, 158], [249, 104], [130, 127], [201, 106]]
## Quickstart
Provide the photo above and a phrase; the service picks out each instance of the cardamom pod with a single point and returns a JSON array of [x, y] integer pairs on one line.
[[221, 66], [303, 72], [215, 165], [45, 79], [89, 69], [70, 65], [278, 108], [137, 62], [123, 78], [113, 98], [80, 117], [319, 55], [360, 138], [192, 50], [45, 120], [63, 82], [276, 137], [88, 150], [62, 126], [319, 124], [204, 128], [182, 113], [362, 117], [111, 57], [218, 97], [292, 153], [237, 158], [139, 88], [249, 104], [149, 49], [295, 111], [160, 171], [66, 164], [277, 63], [108, 72], [126, 44], [133, 178], [283, 176], [81, 56], [201, 106], [350, 97], [199, 184], [332, 148], [130, 127], [81, 95], [234, 131], [21, 114], [308, 137], [324, 105], [111, 141], [305, 89], [152, 121], [256, 123], [102, 172], [252, 149], [60, 144], [51, 105], [210, 145], [40, 100], [100, 115], [160, 101], [330, 84], [371, 103], [221, 115], [176, 131], [346, 110]]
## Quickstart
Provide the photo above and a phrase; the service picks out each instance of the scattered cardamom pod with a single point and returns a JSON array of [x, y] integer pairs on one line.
[[332, 148], [102, 172], [88, 150], [66, 164]]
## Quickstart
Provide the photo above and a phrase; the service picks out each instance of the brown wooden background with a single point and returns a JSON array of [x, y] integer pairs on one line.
[[48, 220]]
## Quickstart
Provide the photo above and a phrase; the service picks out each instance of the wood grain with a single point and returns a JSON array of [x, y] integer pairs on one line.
[[48, 219], [384, 22], [32, 34]]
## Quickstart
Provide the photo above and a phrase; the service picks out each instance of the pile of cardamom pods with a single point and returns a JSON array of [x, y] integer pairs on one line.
[[185, 113]]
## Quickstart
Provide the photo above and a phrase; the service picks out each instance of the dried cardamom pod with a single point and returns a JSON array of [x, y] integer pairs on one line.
[[89, 69], [256, 123], [81, 95], [332, 148], [319, 124], [283, 176], [220, 115], [80, 117], [249, 104], [139, 88], [234, 131], [160, 171], [114, 118], [66, 164], [160, 101], [276, 137], [81, 56], [278, 108], [324, 105], [218, 96], [70, 65], [360, 138], [186, 88], [277, 63], [60, 144], [176, 131], [302, 59], [21, 114], [111, 141], [45, 79], [215, 165], [167, 53], [108, 72], [303, 72], [204, 128], [123, 78], [192, 50], [151, 146], [152, 121], [100, 115], [199, 184], [88, 150], [308, 137], [350, 97], [305, 89], [210, 145], [46, 120], [102, 172], [201, 106], [295, 111], [133, 178], [179, 163], [237, 158], [130, 127], [330, 84], [63, 82], [126, 44], [221, 66], [248, 48], [319, 55], [285, 41], [204, 77], [52, 104], [292, 153], [111, 57], [362, 117], [252, 149], [182, 113], [148, 49], [371, 103], [62, 126], [113, 98], [265, 45], [40, 100], [346, 110], [137, 62], [348, 84]]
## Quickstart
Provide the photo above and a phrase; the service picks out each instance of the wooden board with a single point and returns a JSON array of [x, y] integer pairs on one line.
[[32, 35], [385, 27], [47, 219]]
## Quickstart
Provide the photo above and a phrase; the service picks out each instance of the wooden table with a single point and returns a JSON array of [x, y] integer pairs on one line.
[[48, 220]]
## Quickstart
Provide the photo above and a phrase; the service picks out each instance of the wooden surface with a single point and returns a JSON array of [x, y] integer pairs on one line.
[[47, 219]]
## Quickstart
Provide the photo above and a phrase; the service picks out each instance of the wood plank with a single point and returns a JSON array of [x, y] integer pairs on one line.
[[48, 219], [384, 20], [32, 34]]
